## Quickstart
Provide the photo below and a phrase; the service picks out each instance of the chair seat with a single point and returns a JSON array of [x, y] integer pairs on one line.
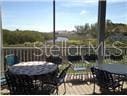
[[2, 80], [114, 84], [124, 78], [47, 89], [79, 68]]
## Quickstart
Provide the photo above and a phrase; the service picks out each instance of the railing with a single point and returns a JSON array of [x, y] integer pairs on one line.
[[34, 54], [24, 53]]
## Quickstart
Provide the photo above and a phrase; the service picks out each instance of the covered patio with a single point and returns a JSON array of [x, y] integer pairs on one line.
[[77, 83]]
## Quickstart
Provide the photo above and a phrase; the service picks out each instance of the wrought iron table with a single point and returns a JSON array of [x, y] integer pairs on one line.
[[39, 72], [120, 69], [33, 68]]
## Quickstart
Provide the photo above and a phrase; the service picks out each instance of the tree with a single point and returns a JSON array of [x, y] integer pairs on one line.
[[20, 37], [87, 30], [82, 30]]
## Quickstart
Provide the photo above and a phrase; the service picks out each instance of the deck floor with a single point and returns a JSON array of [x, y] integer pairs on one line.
[[77, 86], [74, 88]]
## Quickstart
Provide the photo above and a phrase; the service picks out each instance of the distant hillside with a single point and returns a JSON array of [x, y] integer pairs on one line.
[[89, 31], [22, 36], [81, 33]]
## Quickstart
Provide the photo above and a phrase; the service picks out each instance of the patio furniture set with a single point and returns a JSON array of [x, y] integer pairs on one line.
[[45, 77]]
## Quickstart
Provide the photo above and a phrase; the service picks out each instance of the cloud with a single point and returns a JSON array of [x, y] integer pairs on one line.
[[116, 1], [83, 12], [81, 3], [78, 3]]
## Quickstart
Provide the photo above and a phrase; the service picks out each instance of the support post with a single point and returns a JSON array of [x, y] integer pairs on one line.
[[1, 44], [101, 30], [54, 37]]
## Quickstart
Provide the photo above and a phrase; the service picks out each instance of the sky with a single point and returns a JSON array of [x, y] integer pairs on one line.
[[37, 14]]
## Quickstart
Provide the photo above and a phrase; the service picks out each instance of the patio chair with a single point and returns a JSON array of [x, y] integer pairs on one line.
[[77, 63], [58, 80], [90, 57], [116, 58], [25, 85], [2, 81], [105, 80], [11, 60], [55, 59], [19, 84]]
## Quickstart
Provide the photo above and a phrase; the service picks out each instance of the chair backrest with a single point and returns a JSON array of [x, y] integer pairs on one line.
[[74, 58], [11, 59], [93, 70], [116, 57], [54, 59], [2, 80], [19, 84], [64, 72], [103, 77], [90, 57]]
